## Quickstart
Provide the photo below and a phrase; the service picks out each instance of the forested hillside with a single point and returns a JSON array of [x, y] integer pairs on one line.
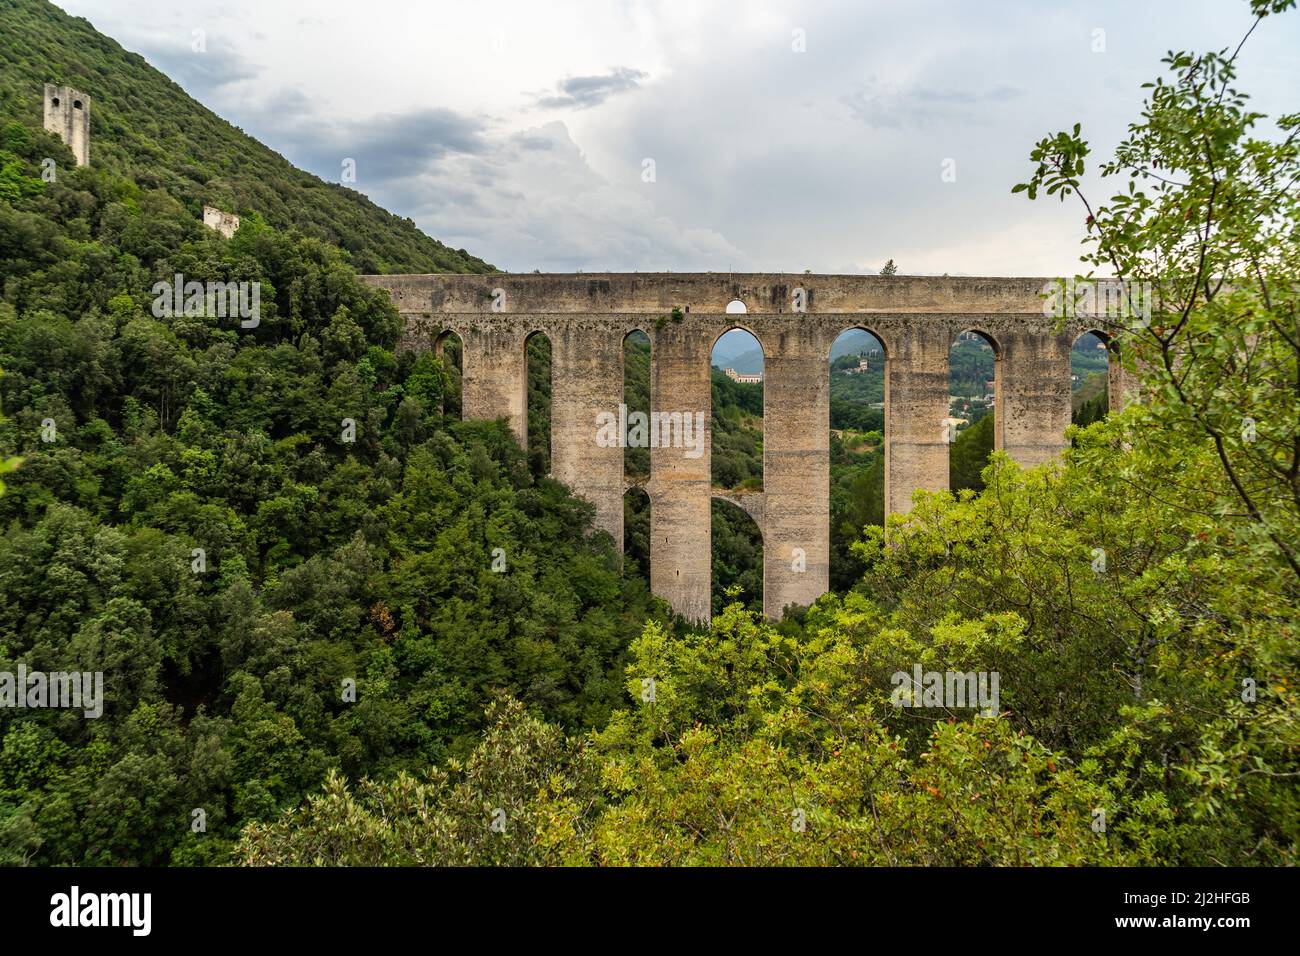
[[148, 132], [282, 555]]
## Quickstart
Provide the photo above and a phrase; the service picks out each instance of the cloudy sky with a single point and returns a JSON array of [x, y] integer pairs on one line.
[[826, 135]]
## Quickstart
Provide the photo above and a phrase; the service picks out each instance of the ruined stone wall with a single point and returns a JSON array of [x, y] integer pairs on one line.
[[586, 318], [226, 223]]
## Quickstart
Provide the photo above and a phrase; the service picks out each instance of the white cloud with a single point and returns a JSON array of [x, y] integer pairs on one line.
[[766, 158], [534, 200]]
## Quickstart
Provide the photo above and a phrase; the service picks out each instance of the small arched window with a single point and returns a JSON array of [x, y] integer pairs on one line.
[[54, 101], [736, 307], [76, 104]]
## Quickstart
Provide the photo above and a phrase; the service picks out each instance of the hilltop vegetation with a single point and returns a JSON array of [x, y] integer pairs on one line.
[[145, 131]]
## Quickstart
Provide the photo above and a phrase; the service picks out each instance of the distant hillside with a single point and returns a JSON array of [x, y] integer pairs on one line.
[[146, 128], [748, 362], [853, 342], [737, 349]]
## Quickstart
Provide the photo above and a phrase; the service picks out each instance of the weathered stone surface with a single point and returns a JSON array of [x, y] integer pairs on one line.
[[226, 223], [586, 318], [586, 380], [67, 116]]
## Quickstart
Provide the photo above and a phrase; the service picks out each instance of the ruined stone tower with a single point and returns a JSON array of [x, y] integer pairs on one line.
[[67, 115]]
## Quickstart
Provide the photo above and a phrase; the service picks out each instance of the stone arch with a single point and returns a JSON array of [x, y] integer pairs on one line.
[[952, 428], [637, 358], [753, 505], [990, 338], [1117, 380], [637, 509], [857, 327], [727, 454], [537, 392], [735, 530], [857, 467], [734, 326], [449, 349], [443, 338], [736, 307]]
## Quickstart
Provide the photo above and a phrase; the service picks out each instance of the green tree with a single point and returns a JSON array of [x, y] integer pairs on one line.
[[1203, 240], [968, 455]]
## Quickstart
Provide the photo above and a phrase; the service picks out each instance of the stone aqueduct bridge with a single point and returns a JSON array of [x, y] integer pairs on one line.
[[587, 316]]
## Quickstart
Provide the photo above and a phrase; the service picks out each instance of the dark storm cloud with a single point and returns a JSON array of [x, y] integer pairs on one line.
[[199, 72], [387, 147], [582, 92]]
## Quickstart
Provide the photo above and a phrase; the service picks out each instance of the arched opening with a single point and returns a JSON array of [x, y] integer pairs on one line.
[[54, 101], [737, 412], [636, 534], [736, 465], [537, 353], [736, 307], [737, 557], [1094, 369], [450, 354], [76, 104], [857, 443], [636, 397], [974, 389]]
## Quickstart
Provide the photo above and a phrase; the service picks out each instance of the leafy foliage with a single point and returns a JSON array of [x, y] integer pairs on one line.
[[1207, 224], [969, 454], [1138, 600], [146, 132]]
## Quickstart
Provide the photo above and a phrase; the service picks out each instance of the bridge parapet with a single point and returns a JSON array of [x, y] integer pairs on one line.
[[659, 292]]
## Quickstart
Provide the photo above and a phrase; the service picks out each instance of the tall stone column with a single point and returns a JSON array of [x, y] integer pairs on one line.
[[587, 380], [494, 376], [681, 537], [916, 403], [1034, 393], [796, 470]]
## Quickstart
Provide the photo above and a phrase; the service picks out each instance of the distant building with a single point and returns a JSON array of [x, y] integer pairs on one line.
[[226, 223], [743, 378]]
